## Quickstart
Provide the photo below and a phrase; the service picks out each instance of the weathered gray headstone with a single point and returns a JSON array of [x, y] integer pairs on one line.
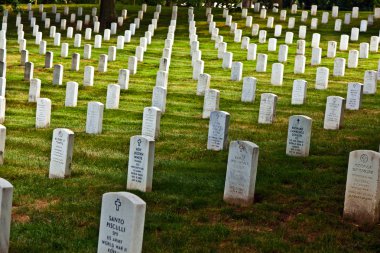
[[58, 74]]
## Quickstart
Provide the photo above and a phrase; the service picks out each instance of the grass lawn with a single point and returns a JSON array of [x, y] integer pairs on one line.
[[298, 201]]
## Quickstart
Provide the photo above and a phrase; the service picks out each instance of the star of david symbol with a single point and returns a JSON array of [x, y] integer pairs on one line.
[[117, 204]]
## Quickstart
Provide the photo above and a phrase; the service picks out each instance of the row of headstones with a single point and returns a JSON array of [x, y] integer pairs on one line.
[[121, 40], [361, 197], [291, 23], [87, 20], [370, 77], [122, 219], [43, 112], [123, 214], [277, 32]]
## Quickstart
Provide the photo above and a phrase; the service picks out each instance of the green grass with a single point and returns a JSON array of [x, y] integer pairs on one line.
[[298, 201]]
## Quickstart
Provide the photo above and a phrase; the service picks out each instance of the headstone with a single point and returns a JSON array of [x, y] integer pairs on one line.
[[71, 94], [272, 45], [299, 92], [140, 165], [6, 193], [302, 32], [218, 130], [77, 40], [353, 59], [370, 82], [334, 113], [159, 98], [61, 153], [267, 110], [283, 53], [335, 11], [75, 62], [255, 29], [203, 83], [343, 45], [121, 223], [301, 47], [299, 64], [64, 50], [347, 18], [355, 12], [339, 66], [58, 74], [299, 135], [291, 23], [316, 56], [331, 49], [354, 96], [361, 202], [363, 50], [151, 122], [28, 73], [123, 79], [374, 44], [262, 36], [49, 60], [34, 90], [251, 52], [113, 96], [277, 74], [261, 62], [222, 48], [132, 65], [354, 34], [111, 53], [103, 60], [315, 40], [88, 79], [241, 173], [227, 60], [322, 78], [211, 102], [94, 120], [236, 71], [338, 25], [43, 112], [288, 38]]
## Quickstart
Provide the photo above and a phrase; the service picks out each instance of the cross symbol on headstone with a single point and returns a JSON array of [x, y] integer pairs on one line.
[[117, 204], [139, 142], [298, 121]]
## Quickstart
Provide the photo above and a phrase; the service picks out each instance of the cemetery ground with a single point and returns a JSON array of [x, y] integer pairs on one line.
[[298, 201]]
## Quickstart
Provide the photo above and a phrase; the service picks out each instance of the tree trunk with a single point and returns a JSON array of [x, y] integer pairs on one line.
[[246, 4], [107, 13]]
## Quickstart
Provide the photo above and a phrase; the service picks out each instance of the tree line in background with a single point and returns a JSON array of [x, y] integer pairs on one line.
[[303, 4]]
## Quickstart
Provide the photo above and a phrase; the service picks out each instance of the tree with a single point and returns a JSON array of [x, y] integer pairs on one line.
[[107, 13]]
